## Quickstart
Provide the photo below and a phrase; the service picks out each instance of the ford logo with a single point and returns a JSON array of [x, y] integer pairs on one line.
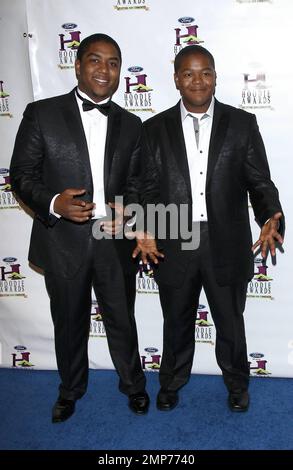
[[135, 68], [69, 25], [186, 19], [9, 260], [201, 306], [151, 350], [20, 348], [4, 171], [256, 355]]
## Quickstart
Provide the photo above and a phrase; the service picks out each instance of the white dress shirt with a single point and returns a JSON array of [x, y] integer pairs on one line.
[[95, 128], [198, 157]]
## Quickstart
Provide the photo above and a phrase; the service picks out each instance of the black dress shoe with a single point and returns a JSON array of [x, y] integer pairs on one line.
[[62, 410], [139, 403], [167, 400], [238, 401]]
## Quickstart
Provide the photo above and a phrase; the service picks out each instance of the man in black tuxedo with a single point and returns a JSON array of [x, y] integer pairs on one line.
[[74, 153], [207, 156]]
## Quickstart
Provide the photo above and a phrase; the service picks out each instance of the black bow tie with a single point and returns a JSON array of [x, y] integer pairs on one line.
[[103, 108], [89, 105]]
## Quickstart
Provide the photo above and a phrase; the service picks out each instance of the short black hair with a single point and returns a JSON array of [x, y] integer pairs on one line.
[[189, 50], [98, 37]]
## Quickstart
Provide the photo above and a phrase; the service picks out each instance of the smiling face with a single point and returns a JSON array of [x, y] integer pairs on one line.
[[98, 70], [196, 81]]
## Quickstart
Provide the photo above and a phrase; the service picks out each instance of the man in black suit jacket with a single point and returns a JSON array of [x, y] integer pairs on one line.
[[74, 153], [207, 156]]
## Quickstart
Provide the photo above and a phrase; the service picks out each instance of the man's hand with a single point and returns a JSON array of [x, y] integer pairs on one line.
[[113, 227], [72, 208], [268, 236], [147, 248]]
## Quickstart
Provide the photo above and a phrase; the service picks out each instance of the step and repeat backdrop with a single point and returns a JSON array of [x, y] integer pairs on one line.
[[251, 43]]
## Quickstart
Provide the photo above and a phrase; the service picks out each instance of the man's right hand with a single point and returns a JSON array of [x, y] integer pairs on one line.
[[72, 208]]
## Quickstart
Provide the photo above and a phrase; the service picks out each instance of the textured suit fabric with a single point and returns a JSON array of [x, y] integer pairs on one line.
[[223, 262], [237, 165], [51, 155]]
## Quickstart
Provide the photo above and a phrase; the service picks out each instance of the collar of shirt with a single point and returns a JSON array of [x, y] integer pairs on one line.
[[209, 112], [86, 97]]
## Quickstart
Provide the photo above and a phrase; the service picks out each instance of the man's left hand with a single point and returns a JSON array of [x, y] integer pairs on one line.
[[269, 235]]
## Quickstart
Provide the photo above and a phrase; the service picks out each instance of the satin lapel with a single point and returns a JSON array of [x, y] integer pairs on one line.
[[177, 143], [74, 123], [113, 132], [218, 134]]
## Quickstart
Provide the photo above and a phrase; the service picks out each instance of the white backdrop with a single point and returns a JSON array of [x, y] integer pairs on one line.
[[251, 43]]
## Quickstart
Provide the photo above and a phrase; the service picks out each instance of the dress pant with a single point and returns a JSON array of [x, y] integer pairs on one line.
[[179, 310], [70, 301]]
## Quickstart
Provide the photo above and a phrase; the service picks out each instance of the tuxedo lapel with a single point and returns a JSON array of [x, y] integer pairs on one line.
[[218, 134], [74, 124], [113, 132], [177, 143]]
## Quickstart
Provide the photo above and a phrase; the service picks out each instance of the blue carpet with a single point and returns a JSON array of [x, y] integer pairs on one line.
[[103, 421]]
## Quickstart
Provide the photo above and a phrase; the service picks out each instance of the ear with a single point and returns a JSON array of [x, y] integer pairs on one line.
[[77, 68], [176, 80]]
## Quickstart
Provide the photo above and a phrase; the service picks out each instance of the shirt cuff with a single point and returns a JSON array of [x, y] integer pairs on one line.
[[52, 207]]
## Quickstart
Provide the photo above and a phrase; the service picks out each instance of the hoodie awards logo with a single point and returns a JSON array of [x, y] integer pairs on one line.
[[258, 365], [131, 5], [152, 360], [11, 280], [204, 329], [186, 35], [260, 285], [69, 43], [256, 93], [145, 282], [4, 101], [21, 359], [97, 329], [7, 199], [137, 95]]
